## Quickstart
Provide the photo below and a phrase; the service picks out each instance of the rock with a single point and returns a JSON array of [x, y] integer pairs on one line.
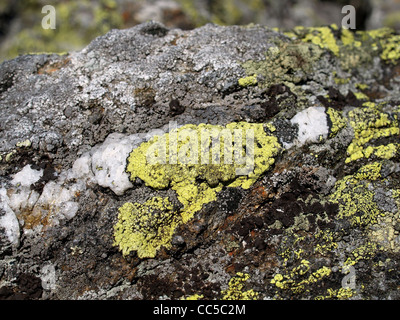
[[113, 184], [10, 230]]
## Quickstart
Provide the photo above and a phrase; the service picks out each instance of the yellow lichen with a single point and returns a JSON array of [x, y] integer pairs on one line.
[[10, 155], [288, 250], [325, 242], [340, 81], [365, 251], [269, 126], [355, 198], [361, 86], [369, 124], [337, 121], [361, 96], [25, 143], [355, 194], [386, 152], [236, 291], [323, 37], [286, 63], [194, 297], [352, 48], [296, 280], [145, 228], [391, 49], [348, 38], [370, 171], [197, 161], [340, 294], [248, 81], [378, 34]]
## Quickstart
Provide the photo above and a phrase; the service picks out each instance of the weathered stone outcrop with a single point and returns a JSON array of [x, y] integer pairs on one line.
[[85, 214]]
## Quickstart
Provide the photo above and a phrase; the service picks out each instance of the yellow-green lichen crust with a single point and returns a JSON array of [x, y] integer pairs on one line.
[[145, 228], [194, 297], [195, 181], [321, 36], [291, 280], [355, 198], [352, 49], [25, 143], [358, 202], [236, 291], [287, 63], [383, 233], [339, 294], [248, 81], [325, 242], [362, 252], [337, 121], [370, 123], [355, 194], [191, 162], [300, 274]]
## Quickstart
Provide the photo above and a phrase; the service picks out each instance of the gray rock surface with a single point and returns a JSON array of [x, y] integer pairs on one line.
[[69, 122]]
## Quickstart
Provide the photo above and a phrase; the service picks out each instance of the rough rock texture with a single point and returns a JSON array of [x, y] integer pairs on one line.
[[82, 216]]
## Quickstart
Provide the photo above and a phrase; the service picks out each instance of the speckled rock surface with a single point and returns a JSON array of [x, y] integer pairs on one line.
[[83, 216]]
